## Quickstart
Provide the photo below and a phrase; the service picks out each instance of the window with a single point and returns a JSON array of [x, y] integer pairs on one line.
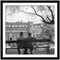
[[19, 25], [8, 25], [12, 25], [25, 25], [16, 25], [22, 25]]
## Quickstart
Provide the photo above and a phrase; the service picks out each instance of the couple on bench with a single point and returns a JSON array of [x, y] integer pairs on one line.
[[25, 45]]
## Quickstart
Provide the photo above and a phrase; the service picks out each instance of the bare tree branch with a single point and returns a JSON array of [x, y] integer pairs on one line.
[[27, 12], [48, 18], [51, 14], [51, 21], [44, 20], [33, 9]]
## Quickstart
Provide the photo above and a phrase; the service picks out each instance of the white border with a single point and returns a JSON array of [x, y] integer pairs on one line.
[[16, 55]]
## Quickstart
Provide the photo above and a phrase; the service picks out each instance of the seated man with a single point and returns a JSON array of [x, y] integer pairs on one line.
[[20, 44], [28, 43]]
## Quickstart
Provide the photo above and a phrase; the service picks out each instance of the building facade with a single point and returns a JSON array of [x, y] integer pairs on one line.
[[13, 29]]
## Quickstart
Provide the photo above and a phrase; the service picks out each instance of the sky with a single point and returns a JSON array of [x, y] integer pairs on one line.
[[14, 14]]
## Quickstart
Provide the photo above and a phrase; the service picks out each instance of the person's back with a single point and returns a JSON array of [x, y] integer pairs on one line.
[[20, 41], [28, 43], [20, 44]]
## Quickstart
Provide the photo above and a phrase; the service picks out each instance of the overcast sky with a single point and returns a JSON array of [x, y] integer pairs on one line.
[[14, 14]]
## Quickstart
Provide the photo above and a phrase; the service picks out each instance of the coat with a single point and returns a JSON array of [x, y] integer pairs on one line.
[[28, 42], [20, 43]]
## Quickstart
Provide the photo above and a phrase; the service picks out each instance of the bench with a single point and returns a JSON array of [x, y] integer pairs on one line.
[[35, 47]]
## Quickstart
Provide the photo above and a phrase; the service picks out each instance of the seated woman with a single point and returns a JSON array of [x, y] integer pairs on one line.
[[20, 44]]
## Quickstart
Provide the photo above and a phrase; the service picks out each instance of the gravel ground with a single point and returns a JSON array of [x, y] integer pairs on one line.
[[37, 51]]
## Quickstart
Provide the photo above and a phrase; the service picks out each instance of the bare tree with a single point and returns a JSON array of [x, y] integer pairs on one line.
[[48, 24], [50, 21], [49, 29]]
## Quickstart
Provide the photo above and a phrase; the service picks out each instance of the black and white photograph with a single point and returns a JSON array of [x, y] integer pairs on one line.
[[29, 29]]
